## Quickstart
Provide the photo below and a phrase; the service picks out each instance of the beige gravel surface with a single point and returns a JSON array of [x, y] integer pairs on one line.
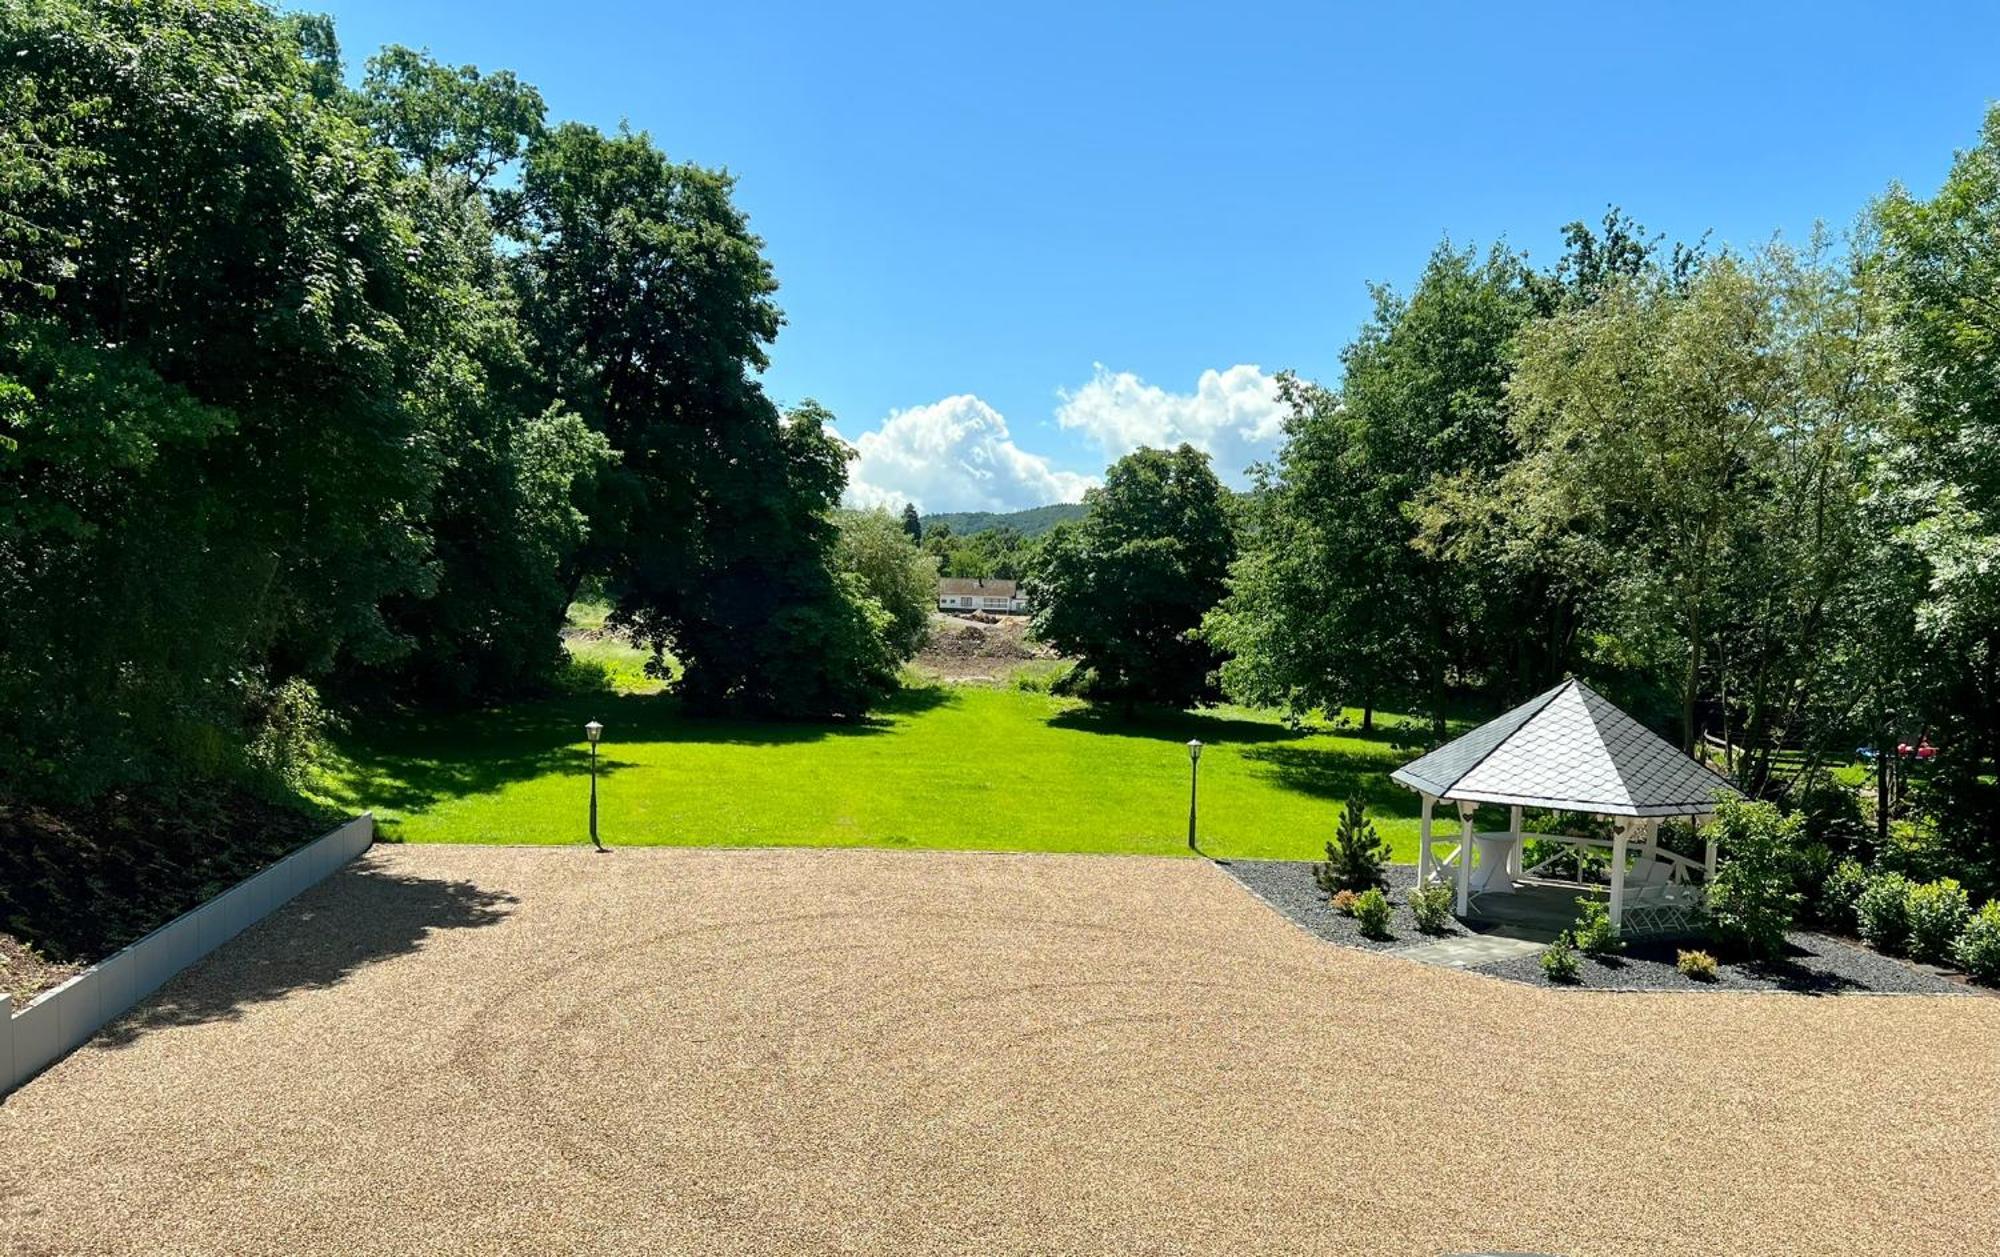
[[513, 1050]]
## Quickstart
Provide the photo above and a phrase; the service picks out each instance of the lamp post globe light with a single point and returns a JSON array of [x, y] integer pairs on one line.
[[1194, 765], [592, 732]]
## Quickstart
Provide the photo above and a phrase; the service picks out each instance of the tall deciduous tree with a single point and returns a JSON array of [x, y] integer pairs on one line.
[[1938, 273], [895, 573], [1125, 589], [651, 307], [211, 310], [505, 523], [1331, 605]]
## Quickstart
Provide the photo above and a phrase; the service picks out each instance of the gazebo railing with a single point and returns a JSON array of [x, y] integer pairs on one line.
[[1681, 870]]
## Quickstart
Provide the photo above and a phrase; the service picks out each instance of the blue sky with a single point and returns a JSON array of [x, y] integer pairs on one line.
[[1039, 234]]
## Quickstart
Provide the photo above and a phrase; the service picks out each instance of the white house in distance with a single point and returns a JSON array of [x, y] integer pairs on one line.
[[959, 593]]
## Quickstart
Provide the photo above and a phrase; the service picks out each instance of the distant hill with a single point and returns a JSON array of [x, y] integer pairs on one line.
[[1029, 523]]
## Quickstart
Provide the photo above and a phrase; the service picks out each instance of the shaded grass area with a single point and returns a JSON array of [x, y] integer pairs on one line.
[[938, 766]]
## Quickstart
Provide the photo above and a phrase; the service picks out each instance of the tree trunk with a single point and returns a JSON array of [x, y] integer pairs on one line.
[[1368, 716], [1692, 684]]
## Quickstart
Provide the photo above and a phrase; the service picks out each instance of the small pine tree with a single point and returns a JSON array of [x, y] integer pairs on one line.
[[913, 524], [1356, 857]]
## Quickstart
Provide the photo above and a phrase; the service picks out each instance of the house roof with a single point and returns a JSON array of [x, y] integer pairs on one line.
[[949, 585], [1569, 749]]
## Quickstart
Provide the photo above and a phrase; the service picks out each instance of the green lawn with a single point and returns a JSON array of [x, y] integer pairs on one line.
[[941, 766]]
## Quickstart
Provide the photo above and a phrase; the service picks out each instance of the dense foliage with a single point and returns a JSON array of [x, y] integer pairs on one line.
[[1754, 496], [1124, 589], [309, 388]]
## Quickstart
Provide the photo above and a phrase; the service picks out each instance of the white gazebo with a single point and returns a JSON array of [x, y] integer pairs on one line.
[[1568, 750]]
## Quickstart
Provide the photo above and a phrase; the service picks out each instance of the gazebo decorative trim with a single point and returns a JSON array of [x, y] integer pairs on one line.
[[1569, 749]]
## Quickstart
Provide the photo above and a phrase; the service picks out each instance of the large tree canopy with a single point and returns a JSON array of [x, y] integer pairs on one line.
[[211, 327], [650, 307], [1124, 589], [303, 385], [1332, 606]]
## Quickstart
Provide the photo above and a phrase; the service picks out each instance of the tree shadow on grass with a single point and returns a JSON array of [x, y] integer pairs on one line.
[[1174, 726], [359, 916], [1335, 775], [410, 761]]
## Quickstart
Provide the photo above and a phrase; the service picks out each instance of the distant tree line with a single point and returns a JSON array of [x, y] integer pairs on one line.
[[315, 393]]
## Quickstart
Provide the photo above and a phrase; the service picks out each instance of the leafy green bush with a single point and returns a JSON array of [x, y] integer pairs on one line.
[[1883, 912], [288, 723], [1343, 902], [1357, 857], [1594, 933], [1812, 865], [1698, 965], [1839, 894], [1977, 950], [1938, 911], [1431, 905], [1560, 962], [1751, 900], [1371, 909], [1833, 814]]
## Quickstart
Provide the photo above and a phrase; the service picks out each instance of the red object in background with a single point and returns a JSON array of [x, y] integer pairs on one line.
[[1925, 750], [1903, 749]]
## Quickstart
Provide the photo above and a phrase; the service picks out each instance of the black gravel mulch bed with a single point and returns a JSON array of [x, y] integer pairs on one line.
[[1815, 964], [1288, 886]]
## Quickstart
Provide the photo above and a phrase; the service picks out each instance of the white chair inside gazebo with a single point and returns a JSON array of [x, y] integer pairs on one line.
[[1568, 750]]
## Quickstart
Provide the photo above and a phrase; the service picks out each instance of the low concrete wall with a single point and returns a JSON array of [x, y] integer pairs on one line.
[[60, 1020]]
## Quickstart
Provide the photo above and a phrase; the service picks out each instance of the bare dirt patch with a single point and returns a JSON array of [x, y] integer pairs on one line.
[[985, 648], [468, 1050]]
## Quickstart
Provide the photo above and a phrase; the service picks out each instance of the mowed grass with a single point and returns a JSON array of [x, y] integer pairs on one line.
[[950, 766]]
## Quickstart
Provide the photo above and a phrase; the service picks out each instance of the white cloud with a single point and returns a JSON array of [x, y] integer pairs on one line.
[[1234, 416], [954, 455]]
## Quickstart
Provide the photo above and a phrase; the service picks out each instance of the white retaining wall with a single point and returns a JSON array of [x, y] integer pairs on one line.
[[62, 1019]]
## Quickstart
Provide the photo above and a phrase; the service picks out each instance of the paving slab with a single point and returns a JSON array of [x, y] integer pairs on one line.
[[1469, 950]]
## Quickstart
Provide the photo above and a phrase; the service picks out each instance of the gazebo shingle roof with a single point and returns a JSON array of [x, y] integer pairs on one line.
[[1569, 749]]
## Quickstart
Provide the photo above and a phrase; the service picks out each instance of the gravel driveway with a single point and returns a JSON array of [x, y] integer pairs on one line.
[[492, 1050]]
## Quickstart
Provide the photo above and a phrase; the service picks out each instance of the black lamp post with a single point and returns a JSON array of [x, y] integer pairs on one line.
[[593, 731], [1194, 766]]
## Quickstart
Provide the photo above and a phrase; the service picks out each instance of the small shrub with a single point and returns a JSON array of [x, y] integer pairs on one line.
[[1594, 933], [290, 724], [1698, 965], [1371, 909], [1751, 901], [1938, 912], [1343, 902], [1431, 905], [1977, 950], [1357, 857], [1883, 912], [1838, 896], [1561, 963]]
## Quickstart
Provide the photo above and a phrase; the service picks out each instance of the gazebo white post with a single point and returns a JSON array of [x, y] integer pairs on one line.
[[1465, 811], [1424, 842], [1514, 853], [1708, 856], [1619, 834]]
